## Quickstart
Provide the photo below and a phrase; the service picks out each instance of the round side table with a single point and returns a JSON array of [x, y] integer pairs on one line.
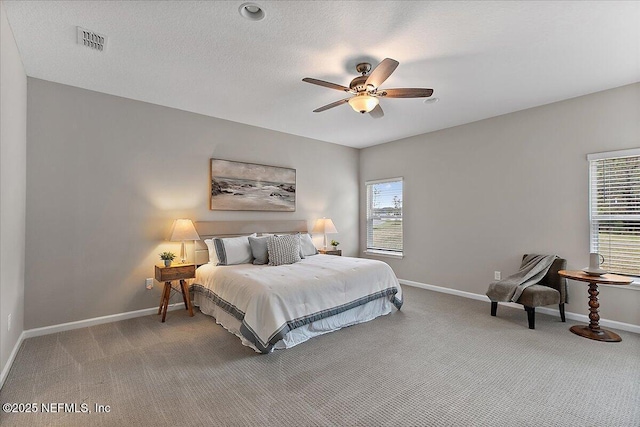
[[593, 330]]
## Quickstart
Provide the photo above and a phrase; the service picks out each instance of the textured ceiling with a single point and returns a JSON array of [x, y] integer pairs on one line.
[[483, 59]]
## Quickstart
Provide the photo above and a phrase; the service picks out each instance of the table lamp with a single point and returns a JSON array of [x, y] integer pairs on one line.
[[324, 226], [181, 230]]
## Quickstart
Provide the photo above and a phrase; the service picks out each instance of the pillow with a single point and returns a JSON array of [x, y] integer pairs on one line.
[[283, 249], [259, 249], [294, 234], [213, 258], [307, 247], [303, 254], [233, 250]]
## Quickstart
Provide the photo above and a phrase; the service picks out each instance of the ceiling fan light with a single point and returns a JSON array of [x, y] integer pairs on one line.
[[363, 103]]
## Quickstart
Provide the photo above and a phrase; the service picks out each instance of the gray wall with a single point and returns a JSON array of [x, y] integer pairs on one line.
[[13, 142], [478, 196], [106, 176]]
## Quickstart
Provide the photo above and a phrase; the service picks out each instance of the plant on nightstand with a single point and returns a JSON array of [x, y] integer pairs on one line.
[[335, 244], [167, 257]]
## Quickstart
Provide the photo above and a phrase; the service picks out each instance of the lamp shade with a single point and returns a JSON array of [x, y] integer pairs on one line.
[[324, 226], [183, 229], [363, 103]]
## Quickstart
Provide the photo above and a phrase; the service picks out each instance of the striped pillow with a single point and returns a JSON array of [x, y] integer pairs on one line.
[[213, 258], [283, 249], [233, 250]]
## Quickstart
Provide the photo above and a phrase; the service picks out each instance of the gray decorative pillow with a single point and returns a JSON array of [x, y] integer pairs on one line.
[[283, 249], [259, 249], [295, 234]]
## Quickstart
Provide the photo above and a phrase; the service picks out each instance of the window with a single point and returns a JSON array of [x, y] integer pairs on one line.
[[615, 209], [384, 216]]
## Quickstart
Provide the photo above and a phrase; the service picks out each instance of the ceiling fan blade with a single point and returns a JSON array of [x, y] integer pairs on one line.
[[326, 84], [333, 104], [406, 93], [382, 72], [377, 112]]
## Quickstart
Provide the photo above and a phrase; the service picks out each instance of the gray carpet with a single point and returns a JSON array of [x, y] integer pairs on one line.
[[441, 361]]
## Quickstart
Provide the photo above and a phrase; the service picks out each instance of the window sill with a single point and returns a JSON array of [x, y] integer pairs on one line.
[[387, 254], [634, 286]]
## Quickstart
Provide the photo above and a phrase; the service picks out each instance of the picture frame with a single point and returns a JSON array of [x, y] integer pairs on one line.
[[241, 186]]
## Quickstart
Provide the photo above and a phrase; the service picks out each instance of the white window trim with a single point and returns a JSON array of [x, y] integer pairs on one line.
[[632, 152], [382, 252], [378, 181], [620, 153], [633, 286]]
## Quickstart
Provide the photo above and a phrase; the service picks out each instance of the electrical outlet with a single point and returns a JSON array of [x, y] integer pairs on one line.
[[496, 275], [8, 322], [149, 283]]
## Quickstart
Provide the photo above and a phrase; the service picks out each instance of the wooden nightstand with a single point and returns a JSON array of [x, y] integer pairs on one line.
[[175, 272], [337, 252]]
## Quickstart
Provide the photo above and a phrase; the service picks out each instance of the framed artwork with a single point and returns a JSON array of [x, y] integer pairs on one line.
[[238, 186]]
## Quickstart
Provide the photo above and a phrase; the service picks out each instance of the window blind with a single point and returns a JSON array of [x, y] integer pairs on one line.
[[384, 215], [615, 211]]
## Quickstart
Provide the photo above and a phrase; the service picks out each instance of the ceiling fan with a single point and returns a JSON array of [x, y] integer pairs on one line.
[[365, 89]]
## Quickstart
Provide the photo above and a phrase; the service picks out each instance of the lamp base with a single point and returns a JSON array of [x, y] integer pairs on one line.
[[183, 253]]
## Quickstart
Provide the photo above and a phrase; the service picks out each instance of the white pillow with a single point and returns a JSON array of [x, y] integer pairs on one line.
[[283, 249], [233, 250], [213, 258], [307, 247]]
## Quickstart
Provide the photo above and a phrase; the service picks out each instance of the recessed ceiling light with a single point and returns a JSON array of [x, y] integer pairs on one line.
[[431, 100], [251, 11]]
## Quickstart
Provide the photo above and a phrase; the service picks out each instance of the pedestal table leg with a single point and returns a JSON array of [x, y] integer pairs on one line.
[[594, 305], [593, 330]]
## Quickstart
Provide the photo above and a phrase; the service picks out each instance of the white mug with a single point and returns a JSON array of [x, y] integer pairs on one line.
[[595, 259]]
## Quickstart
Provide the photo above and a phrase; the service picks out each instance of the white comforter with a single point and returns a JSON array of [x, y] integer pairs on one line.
[[271, 301]]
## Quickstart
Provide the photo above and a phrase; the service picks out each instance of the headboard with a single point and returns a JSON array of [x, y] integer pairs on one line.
[[209, 229]]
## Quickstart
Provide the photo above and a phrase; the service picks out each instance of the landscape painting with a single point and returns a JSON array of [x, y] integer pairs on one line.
[[238, 186]]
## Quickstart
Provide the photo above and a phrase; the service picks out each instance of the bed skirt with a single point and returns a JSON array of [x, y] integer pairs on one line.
[[360, 314]]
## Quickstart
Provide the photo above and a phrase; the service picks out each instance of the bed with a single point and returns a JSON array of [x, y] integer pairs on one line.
[[277, 307]]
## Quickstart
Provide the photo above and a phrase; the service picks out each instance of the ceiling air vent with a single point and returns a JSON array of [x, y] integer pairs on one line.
[[91, 39]]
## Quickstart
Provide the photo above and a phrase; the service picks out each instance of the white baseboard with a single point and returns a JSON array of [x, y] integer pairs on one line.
[[46, 330], [12, 356], [629, 327], [36, 332]]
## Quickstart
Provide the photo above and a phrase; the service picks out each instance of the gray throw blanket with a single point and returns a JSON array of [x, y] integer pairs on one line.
[[532, 270]]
